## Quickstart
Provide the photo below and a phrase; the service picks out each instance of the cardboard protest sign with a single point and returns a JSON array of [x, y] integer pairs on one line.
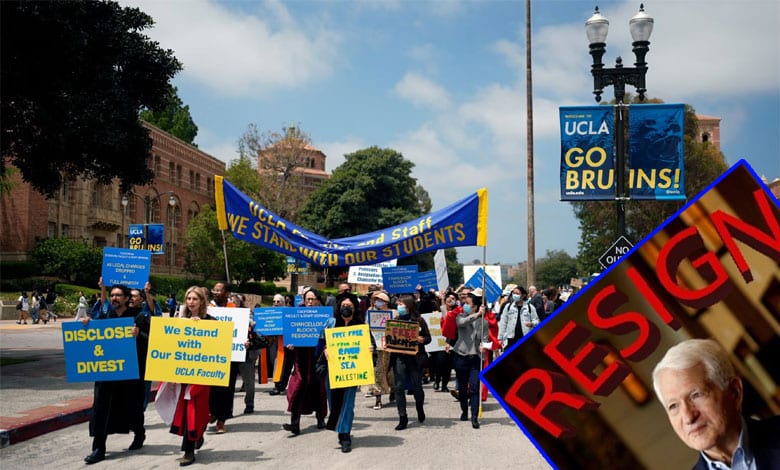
[[438, 342], [127, 267], [377, 321], [581, 385], [349, 356], [401, 336], [240, 319], [104, 350], [189, 351], [302, 325], [269, 321]]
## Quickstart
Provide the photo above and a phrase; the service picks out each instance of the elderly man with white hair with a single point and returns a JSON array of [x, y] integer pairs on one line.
[[702, 395]]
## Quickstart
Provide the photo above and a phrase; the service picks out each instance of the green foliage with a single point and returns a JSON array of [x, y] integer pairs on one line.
[[74, 77], [555, 269], [373, 189], [597, 219], [174, 118], [258, 288], [242, 174], [17, 269], [204, 255], [74, 260], [26, 284]]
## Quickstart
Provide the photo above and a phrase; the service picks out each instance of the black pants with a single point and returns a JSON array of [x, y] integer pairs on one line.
[[442, 366], [221, 398], [467, 375], [406, 368]]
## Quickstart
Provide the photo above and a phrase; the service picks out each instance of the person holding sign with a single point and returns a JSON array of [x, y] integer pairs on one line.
[[409, 366], [383, 373], [191, 414], [472, 333], [221, 398], [342, 400], [306, 393], [118, 405]]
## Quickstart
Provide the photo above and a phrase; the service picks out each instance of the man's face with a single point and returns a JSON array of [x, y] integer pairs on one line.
[[135, 298], [118, 299], [703, 416], [219, 292], [344, 288]]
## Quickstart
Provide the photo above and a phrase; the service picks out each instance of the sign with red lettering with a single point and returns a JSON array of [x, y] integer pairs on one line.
[[581, 386], [401, 336]]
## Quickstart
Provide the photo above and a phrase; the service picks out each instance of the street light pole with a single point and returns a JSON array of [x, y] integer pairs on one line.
[[596, 28]]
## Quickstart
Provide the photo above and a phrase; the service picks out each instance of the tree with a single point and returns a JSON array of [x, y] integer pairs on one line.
[[280, 158], [703, 164], [73, 80], [75, 260], [204, 254], [555, 269], [174, 119]]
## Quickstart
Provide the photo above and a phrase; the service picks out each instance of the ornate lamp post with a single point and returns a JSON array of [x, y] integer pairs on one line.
[[596, 28]]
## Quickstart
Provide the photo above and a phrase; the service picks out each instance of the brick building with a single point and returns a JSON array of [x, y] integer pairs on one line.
[[100, 214]]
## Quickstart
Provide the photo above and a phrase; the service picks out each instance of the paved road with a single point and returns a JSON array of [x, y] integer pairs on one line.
[[441, 442]]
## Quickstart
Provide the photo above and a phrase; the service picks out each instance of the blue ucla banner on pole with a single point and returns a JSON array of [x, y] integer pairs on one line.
[[463, 223], [587, 150], [656, 169], [155, 238], [104, 350]]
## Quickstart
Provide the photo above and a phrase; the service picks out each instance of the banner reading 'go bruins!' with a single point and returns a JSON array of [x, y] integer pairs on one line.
[[463, 223]]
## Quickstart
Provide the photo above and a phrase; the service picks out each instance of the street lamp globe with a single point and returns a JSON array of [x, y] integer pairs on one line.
[[597, 28], [172, 200], [125, 200], [641, 25]]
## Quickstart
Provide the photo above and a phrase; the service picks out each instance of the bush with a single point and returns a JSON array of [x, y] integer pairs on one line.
[[17, 269], [258, 288]]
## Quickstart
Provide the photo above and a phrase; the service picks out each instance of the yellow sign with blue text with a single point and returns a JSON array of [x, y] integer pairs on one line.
[[349, 356], [189, 351]]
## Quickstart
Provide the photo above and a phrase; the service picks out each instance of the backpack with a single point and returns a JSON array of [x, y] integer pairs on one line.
[[18, 305]]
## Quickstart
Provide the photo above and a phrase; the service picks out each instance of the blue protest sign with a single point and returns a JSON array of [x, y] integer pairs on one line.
[[302, 325], [124, 266], [104, 350], [399, 279], [428, 280], [492, 290], [269, 320]]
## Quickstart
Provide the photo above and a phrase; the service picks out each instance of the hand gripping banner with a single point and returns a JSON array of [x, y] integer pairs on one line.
[[463, 223]]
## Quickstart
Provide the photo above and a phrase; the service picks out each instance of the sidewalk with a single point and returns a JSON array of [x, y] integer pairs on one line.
[[35, 397]]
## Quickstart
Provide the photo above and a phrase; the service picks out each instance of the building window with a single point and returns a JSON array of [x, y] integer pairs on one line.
[[64, 230], [119, 240], [192, 179], [172, 172], [209, 186], [178, 175], [95, 195], [705, 137], [51, 230], [66, 190], [197, 181]]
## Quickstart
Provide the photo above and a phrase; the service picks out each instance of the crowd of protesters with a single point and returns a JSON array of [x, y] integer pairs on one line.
[[473, 328]]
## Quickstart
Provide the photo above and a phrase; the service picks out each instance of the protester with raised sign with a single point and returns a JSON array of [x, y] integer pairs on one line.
[[306, 393], [342, 400], [383, 373], [117, 407], [186, 406], [409, 366], [472, 333]]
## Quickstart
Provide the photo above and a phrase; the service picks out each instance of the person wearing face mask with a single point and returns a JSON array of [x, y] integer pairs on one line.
[[510, 312], [472, 333], [409, 366], [346, 312], [383, 373]]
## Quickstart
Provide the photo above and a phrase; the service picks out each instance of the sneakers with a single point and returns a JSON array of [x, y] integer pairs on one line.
[[378, 404], [221, 427]]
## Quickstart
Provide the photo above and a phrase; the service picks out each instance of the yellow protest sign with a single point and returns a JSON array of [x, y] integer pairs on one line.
[[349, 356], [188, 351]]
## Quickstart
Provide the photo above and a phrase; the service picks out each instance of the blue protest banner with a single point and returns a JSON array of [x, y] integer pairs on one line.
[[492, 290], [587, 137], [136, 237], [104, 350], [269, 320], [302, 325], [655, 135], [399, 279], [124, 266], [428, 280], [155, 238]]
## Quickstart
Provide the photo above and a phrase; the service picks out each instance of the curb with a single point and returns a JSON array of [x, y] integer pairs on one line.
[[53, 422]]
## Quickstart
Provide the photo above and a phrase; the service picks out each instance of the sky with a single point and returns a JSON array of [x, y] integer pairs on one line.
[[443, 82]]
